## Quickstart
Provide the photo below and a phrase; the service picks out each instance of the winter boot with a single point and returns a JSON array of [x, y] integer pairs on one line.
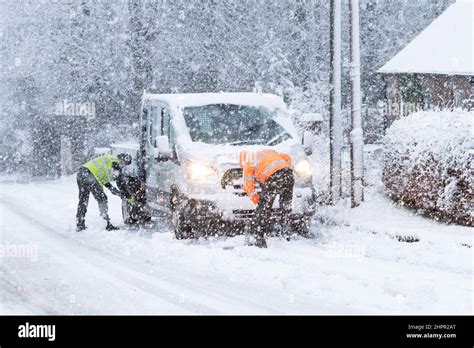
[[80, 227], [111, 227], [80, 224], [260, 242]]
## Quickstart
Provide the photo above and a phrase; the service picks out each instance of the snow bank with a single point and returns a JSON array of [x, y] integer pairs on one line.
[[428, 163]]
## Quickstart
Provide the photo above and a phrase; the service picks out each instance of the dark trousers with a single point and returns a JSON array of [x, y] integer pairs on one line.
[[132, 187], [87, 183], [280, 183]]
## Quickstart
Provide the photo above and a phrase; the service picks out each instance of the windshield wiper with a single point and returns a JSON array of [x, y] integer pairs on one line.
[[247, 142], [274, 139]]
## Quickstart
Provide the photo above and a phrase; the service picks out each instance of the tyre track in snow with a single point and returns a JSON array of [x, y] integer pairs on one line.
[[82, 260], [8, 286], [217, 299]]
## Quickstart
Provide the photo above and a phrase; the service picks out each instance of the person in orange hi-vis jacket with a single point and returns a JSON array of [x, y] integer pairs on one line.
[[273, 172]]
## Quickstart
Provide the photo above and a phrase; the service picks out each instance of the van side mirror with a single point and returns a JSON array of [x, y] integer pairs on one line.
[[162, 151], [308, 142]]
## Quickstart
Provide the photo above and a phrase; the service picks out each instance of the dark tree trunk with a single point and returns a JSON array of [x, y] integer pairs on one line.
[[142, 72]]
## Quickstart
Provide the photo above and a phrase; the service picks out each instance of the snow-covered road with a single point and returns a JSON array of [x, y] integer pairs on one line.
[[348, 267]]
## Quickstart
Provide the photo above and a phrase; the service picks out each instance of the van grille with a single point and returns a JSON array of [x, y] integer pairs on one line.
[[233, 180], [275, 216]]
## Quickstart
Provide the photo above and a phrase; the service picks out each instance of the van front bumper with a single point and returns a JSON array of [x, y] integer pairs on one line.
[[229, 206]]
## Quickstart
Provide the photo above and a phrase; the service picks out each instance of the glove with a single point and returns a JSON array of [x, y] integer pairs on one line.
[[131, 201], [114, 191], [255, 198]]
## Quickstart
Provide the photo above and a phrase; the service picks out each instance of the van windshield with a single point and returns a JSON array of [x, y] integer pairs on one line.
[[233, 124]]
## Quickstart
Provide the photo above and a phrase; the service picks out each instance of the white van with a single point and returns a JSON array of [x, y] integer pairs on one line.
[[189, 156]]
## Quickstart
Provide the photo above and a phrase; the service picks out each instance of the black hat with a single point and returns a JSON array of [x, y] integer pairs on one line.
[[125, 158]]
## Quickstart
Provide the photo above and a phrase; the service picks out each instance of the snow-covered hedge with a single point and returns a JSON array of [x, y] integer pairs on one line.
[[428, 163]]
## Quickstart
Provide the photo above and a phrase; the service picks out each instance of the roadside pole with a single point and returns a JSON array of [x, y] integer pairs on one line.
[[335, 123], [356, 135]]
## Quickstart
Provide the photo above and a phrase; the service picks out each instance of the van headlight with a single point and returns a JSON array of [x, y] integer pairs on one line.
[[198, 171], [303, 168]]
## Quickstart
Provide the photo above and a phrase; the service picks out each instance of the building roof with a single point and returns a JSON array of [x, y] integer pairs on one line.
[[445, 47]]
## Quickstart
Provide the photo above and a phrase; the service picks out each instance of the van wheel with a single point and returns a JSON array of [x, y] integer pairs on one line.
[[183, 228]]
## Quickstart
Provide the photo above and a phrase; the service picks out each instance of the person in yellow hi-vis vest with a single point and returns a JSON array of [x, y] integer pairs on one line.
[[91, 178], [273, 172]]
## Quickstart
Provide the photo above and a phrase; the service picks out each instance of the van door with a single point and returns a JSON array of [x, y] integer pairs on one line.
[[151, 112], [162, 171]]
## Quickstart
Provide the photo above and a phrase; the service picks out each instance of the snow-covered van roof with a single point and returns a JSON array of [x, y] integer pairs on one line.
[[199, 99], [445, 47]]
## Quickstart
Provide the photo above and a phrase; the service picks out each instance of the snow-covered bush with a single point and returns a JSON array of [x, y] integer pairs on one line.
[[428, 163]]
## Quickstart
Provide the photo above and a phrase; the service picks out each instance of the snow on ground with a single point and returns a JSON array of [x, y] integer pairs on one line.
[[353, 264]]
